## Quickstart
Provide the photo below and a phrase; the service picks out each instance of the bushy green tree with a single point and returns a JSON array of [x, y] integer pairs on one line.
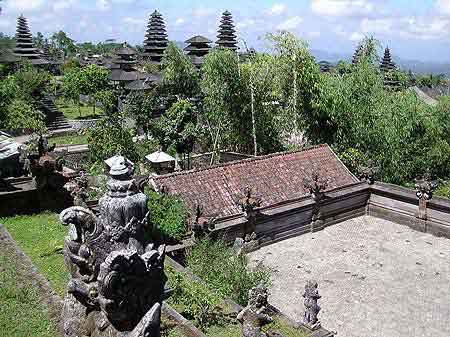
[[177, 127], [222, 105], [180, 77], [111, 137]]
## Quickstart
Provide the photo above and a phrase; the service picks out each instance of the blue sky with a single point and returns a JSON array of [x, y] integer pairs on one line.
[[414, 29]]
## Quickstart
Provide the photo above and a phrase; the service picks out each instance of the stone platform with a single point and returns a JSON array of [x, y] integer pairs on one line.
[[376, 278]]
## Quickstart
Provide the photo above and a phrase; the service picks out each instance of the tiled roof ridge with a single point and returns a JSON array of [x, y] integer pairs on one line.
[[246, 160]]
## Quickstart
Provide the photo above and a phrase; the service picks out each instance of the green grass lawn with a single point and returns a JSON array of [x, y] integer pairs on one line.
[[71, 111], [69, 140], [21, 313], [41, 237]]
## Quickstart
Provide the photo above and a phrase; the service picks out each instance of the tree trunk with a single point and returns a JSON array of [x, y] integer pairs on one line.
[[255, 147]]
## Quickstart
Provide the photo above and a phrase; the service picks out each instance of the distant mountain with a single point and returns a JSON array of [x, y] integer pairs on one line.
[[417, 67]]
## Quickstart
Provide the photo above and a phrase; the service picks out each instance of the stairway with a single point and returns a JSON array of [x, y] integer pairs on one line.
[[54, 119]]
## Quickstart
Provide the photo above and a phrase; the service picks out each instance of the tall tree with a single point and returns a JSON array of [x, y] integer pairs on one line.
[[63, 42], [39, 40], [223, 101], [180, 77]]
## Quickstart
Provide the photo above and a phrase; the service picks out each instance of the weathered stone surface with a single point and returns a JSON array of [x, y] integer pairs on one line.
[[377, 278], [117, 273]]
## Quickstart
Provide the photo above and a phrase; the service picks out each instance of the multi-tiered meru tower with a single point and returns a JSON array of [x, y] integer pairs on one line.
[[24, 43], [156, 39], [227, 33]]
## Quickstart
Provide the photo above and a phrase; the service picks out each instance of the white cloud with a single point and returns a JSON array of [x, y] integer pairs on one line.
[[313, 34], [24, 5], [201, 12], [356, 36], [245, 23], [103, 5], [62, 5], [377, 26], [277, 9], [443, 6], [290, 23], [425, 29], [179, 21], [342, 7]]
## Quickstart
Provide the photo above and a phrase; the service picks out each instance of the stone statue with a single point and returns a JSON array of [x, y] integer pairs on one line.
[[249, 204], [117, 274], [312, 308], [425, 188], [201, 226], [45, 170], [316, 187], [255, 315], [78, 188]]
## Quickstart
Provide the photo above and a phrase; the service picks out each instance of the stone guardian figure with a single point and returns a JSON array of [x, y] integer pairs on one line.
[[117, 279]]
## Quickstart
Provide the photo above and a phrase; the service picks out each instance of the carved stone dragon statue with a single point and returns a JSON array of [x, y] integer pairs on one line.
[[117, 274]]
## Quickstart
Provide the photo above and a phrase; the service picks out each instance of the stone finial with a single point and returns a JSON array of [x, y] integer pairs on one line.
[[316, 186], [368, 172], [249, 202], [312, 308], [425, 187], [254, 316], [201, 226]]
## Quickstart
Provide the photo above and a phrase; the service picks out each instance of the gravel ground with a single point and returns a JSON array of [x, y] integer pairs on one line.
[[376, 278]]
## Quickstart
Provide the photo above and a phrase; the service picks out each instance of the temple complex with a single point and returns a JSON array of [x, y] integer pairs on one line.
[[24, 43], [156, 39], [227, 36], [198, 47]]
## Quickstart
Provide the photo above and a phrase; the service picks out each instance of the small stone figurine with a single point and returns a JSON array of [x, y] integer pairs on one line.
[[254, 316], [312, 308]]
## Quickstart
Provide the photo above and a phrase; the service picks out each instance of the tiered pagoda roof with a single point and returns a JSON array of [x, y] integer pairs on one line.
[[123, 70], [227, 36], [156, 40], [24, 43], [198, 47], [387, 67], [357, 55], [386, 63]]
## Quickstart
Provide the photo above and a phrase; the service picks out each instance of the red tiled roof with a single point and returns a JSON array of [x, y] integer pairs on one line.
[[273, 178]]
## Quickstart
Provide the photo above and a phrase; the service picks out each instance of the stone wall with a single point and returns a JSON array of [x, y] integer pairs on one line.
[[293, 218], [83, 124]]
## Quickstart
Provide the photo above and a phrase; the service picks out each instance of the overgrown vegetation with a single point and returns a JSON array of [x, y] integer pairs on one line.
[[168, 214], [228, 274]]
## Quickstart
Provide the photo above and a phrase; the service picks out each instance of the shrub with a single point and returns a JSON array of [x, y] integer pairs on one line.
[[168, 214], [194, 300], [224, 271]]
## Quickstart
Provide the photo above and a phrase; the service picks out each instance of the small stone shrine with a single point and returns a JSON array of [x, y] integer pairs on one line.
[[117, 279]]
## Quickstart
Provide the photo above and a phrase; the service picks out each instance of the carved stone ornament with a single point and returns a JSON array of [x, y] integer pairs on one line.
[[255, 315], [425, 187], [312, 308], [117, 274], [316, 186], [201, 226], [368, 172]]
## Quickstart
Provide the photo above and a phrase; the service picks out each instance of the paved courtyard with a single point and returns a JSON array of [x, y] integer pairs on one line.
[[376, 278]]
